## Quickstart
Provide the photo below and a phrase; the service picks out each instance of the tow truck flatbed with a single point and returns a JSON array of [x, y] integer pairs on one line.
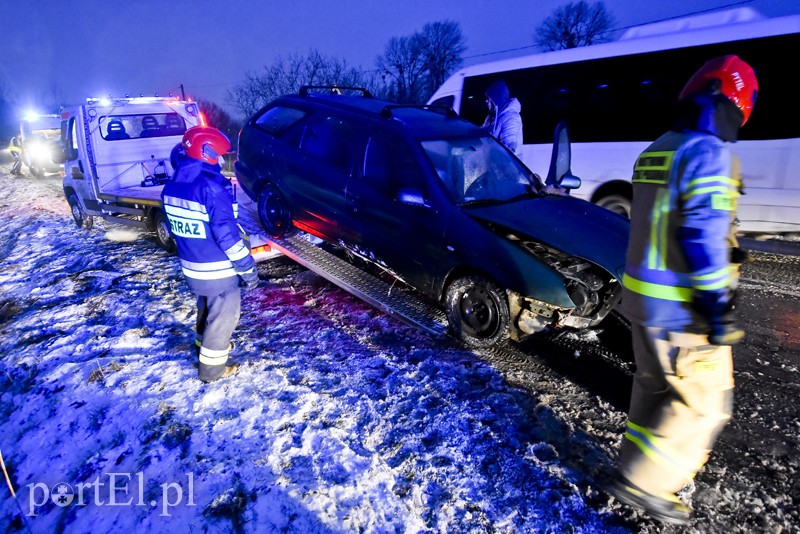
[[150, 196], [392, 301]]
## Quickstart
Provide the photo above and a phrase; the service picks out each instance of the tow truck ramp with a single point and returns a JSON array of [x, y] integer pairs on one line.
[[390, 300]]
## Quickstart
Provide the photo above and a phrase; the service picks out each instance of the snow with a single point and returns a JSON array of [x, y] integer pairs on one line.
[[340, 419]]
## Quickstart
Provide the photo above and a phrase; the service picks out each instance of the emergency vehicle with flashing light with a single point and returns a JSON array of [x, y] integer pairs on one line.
[[39, 137]]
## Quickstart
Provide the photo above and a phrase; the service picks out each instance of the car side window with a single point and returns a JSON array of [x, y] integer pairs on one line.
[[389, 165], [333, 141], [283, 123]]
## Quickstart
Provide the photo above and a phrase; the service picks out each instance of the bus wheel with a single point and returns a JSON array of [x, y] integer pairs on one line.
[[82, 220], [616, 203], [161, 228]]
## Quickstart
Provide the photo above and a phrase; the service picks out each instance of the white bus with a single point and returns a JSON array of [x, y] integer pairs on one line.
[[618, 97]]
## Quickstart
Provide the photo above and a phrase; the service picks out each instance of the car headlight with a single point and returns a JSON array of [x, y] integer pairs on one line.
[[39, 151]]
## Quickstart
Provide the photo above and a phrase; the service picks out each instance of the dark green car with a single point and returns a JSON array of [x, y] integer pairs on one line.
[[441, 205]]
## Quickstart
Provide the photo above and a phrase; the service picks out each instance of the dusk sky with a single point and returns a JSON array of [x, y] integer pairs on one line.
[[66, 50]]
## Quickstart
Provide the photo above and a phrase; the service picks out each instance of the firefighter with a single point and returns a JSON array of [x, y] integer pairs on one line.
[[214, 255], [15, 147], [679, 290]]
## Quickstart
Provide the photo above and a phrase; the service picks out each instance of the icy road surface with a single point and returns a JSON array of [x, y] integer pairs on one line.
[[340, 418]]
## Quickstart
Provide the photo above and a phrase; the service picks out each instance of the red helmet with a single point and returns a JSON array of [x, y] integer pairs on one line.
[[205, 143], [730, 76]]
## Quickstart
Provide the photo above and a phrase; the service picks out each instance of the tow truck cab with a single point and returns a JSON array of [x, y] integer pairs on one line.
[[117, 159]]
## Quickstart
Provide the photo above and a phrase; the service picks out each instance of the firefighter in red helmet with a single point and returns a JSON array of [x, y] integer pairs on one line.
[[680, 283], [213, 250]]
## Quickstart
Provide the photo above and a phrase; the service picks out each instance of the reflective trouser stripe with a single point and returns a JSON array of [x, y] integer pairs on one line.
[[682, 397], [655, 449], [213, 357], [217, 317]]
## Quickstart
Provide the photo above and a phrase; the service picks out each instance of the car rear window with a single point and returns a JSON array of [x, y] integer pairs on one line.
[[278, 119]]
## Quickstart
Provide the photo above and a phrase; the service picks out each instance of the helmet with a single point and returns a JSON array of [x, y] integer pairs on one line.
[[729, 76], [205, 143]]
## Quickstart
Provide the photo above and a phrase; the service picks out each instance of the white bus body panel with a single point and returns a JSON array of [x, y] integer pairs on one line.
[[771, 169]]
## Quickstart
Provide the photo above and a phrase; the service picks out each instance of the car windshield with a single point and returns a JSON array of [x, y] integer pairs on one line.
[[479, 170]]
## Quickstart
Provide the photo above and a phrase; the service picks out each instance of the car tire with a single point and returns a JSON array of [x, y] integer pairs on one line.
[[616, 203], [274, 214], [161, 229], [477, 311], [82, 220]]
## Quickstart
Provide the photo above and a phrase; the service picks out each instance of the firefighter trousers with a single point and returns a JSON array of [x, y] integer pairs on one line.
[[217, 317], [682, 398]]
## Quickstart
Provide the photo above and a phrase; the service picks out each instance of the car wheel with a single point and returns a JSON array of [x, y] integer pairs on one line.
[[163, 235], [273, 212], [82, 220], [616, 203], [477, 310]]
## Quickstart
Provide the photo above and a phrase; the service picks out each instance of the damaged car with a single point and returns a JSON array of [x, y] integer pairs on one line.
[[439, 204]]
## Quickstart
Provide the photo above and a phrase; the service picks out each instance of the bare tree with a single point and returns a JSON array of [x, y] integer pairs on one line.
[[287, 75], [403, 68], [219, 118], [443, 46], [576, 24], [414, 66]]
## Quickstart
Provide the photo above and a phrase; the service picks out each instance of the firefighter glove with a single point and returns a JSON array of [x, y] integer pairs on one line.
[[719, 310], [249, 280], [726, 334], [740, 255]]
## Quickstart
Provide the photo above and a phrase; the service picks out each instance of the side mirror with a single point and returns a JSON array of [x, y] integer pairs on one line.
[[60, 155], [560, 173], [569, 181]]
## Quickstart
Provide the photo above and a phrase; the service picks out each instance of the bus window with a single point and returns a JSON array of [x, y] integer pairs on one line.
[[618, 97]]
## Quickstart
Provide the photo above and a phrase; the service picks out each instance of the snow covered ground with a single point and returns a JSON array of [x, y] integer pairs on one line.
[[340, 419]]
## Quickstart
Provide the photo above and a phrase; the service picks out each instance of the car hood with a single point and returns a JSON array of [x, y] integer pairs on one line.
[[568, 224]]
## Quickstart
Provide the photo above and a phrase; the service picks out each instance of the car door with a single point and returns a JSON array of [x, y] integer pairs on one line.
[[398, 216], [319, 177]]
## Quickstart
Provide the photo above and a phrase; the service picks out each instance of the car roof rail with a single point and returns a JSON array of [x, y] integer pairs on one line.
[[387, 111], [333, 90]]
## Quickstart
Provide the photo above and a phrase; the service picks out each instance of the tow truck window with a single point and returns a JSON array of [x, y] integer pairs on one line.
[[118, 127]]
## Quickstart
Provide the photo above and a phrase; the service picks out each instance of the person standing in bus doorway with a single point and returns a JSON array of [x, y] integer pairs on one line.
[[504, 121], [215, 258], [679, 290]]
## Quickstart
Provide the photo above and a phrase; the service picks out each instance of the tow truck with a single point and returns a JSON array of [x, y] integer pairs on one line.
[[116, 156]]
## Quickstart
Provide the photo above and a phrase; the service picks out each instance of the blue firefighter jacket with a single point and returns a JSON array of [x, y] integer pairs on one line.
[[685, 190], [199, 204]]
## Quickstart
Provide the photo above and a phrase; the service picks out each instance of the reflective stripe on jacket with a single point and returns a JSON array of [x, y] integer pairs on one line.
[[15, 147], [200, 207], [684, 204]]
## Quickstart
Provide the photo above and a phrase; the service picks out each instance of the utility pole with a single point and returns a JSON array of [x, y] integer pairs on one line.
[[183, 94]]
